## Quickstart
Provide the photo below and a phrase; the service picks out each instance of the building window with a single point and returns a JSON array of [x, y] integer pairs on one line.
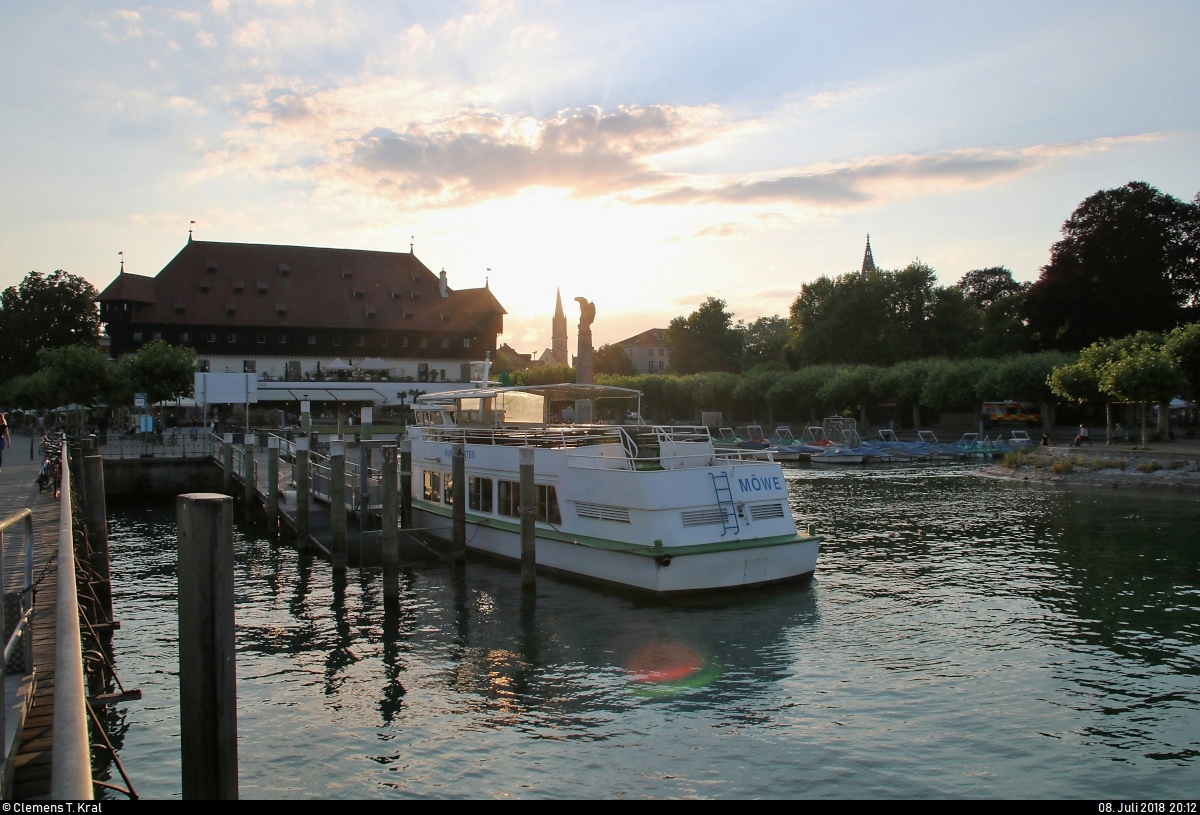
[[284, 270], [480, 490], [211, 337], [650, 366], [466, 342], [445, 342], [210, 266], [231, 338], [262, 287], [337, 341], [157, 335], [283, 339], [362, 340], [433, 487], [662, 352], [183, 336], [424, 342], [312, 339], [137, 336], [661, 365], [404, 342], [249, 366], [416, 295], [238, 287], [383, 343], [261, 338]]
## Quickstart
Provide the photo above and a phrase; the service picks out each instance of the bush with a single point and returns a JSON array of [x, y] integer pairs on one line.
[[1174, 464], [1062, 467], [1149, 467]]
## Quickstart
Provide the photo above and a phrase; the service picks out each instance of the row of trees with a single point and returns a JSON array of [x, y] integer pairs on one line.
[[1128, 261], [814, 391], [1143, 367], [82, 374]]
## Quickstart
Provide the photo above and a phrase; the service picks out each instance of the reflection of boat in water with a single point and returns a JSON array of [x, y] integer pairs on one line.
[[651, 507]]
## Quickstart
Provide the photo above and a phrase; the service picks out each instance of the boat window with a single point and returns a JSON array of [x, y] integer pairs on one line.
[[480, 490], [523, 408], [547, 501], [433, 487], [448, 487]]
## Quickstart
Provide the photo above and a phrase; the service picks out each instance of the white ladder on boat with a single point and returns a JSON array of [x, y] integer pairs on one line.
[[725, 502]]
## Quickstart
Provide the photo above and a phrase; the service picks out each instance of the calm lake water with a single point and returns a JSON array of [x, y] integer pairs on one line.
[[963, 638]]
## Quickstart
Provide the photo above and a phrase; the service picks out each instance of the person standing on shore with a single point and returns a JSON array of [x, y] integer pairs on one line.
[[5, 439]]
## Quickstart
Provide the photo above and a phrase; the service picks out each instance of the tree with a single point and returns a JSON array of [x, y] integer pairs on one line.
[[162, 371], [984, 287], [612, 359], [544, 375], [1121, 266], [764, 342], [705, 340], [52, 311], [1183, 344], [841, 321]]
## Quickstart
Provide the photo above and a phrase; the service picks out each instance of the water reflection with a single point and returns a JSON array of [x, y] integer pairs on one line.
[[962, 638]]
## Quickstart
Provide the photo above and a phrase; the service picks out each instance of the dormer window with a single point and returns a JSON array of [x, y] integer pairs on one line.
[[230, 308], [397, 295], [281, 309], [359, 294], [416, 295], [285, 270], [210, 266], [204, 284], [370, 312], [238, 287], [262, 287], [347, 273], [408, 315]]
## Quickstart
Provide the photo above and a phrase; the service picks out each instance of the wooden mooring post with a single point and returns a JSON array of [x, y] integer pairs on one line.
[[248, 479], [302, 490], [227, 464], [273, 486], [97, 532], [391, 530], [528, 519], [337, 504], [458, 497], [406, 519], [207, 671]]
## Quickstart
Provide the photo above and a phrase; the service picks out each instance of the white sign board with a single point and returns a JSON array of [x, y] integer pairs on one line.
[[226, 389], [367, 413], [139, 400]]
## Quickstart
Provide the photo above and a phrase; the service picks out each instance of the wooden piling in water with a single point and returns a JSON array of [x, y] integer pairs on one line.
[[528, 519], [302, 491], [227, 464], [364, 485], [248, 480], [97, 531], [406, 519], [207, 672], [458, 497], [273, 486], [337, 504], [391, 531]]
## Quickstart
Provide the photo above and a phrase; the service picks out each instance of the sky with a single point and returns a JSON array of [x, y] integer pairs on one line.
[[645, 156]]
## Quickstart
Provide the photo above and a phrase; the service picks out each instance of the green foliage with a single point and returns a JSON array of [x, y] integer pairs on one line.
[[612, 359], [1183, 344], [73, 374], [543, 375], [764, 342], [850, 388], [162, 371], [986, 287], [956, 385], [705, 340], [54, 311], [1126, 262], [1141, 374], [796, 393]]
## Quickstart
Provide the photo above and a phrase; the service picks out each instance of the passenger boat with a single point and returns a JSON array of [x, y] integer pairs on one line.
[[653, 508]]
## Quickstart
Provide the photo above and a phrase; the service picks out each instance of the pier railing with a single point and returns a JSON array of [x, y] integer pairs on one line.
[[22, 629], [71, 773]]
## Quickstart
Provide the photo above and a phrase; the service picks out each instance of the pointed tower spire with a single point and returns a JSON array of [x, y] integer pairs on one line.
[[868, 264], [558, 332]]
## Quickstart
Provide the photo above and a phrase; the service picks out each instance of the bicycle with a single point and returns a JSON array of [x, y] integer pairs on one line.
[[50, 473]]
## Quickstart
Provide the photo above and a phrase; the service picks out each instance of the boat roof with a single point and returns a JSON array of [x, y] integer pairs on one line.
[[562, 390]]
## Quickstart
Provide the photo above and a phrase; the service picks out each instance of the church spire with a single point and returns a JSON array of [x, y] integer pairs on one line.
[[868, 264], [558, 332]]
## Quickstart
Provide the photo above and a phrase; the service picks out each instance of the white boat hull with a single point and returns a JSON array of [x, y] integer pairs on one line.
[[665, 573]]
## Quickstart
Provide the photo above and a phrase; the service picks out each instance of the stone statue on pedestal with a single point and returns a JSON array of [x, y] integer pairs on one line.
[[583, 360]]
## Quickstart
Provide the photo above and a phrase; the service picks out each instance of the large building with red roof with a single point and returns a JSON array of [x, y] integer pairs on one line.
[[279, 311]]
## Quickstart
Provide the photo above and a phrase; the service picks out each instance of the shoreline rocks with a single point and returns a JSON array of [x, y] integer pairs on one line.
[[1108, 467]]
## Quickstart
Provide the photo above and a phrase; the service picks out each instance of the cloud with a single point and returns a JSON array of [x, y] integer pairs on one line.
[[878, 177]]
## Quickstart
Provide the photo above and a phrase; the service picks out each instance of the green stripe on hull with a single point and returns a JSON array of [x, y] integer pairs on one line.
[[619, 546]]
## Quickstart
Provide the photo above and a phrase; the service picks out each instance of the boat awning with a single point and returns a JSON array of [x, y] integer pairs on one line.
[[566, 391], [331, 394]]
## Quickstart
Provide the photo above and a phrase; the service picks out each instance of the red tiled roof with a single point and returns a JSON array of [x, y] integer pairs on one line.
[[133, 287], [646, 338], [235, 284]]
